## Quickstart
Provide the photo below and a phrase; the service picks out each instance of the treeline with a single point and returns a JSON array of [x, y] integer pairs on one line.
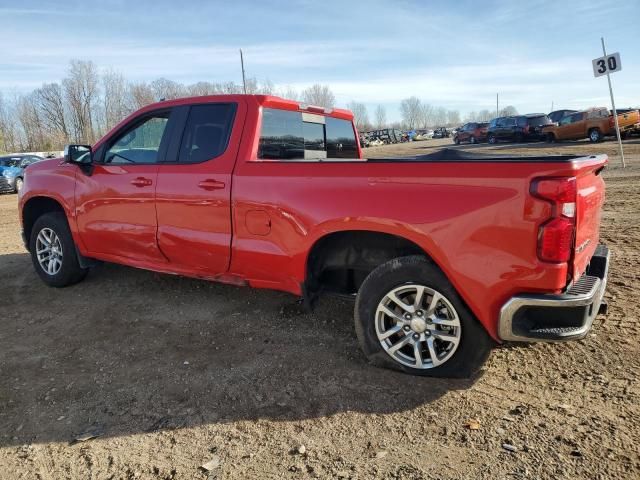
[[87, 103]]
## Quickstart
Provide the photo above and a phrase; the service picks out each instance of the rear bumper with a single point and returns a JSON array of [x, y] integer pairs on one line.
[[549, 318]]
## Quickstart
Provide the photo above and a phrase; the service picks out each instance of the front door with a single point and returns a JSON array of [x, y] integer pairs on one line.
[[193, 197], [115, 200]]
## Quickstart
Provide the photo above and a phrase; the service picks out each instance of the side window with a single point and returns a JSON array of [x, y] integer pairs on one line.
[[522, 121], [207, 131], [139, 144], [287, 135], [281, 136], [341, 139]]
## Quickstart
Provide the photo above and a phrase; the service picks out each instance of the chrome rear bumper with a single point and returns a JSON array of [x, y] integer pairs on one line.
[[553, 318]]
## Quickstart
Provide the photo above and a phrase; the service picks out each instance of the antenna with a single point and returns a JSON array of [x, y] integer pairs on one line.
[[244, 82]]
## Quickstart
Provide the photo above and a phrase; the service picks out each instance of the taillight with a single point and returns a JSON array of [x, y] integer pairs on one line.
[[555, 237]]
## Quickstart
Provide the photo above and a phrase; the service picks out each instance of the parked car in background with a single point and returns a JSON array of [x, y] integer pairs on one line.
[[558, 115], [594, 124], [518, 128], [441, 132], [472, 132], [12, 171], [386, 135], [265, 192]]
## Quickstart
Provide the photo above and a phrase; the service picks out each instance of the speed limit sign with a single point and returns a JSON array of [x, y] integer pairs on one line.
[[607, 64]]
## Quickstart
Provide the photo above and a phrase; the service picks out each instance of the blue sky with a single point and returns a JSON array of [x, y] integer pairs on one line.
[[451, 54]]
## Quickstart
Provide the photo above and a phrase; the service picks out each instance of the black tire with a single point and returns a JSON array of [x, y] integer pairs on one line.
[[550, 138], [70, 271], [473, 140], [519, 138], [474, 345], [456, 140], [492, 139], [19, 184], [595, 135]]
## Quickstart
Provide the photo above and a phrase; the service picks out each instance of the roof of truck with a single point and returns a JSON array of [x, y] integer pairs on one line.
[[268, 101]]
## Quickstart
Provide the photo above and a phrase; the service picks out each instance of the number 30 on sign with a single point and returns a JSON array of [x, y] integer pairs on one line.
[[609, 64]]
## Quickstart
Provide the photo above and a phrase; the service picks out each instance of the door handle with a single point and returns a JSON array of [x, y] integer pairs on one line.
[[141, 182], [210, 184]]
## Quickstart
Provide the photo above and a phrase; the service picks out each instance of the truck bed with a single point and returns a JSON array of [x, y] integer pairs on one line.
[[457, 156]]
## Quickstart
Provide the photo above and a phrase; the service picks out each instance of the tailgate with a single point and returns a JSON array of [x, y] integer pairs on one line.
[[589, 202]]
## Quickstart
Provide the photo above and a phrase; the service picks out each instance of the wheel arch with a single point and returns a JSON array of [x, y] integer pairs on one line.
[[339, 261], [34, 208]]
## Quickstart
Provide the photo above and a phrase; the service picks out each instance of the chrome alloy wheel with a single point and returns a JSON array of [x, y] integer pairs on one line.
[[49, 251], [417, 326]]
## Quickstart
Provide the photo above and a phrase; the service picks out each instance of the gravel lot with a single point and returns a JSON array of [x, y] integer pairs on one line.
[[170, 373]]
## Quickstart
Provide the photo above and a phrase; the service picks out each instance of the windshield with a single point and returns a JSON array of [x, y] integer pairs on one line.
[[9, 162]]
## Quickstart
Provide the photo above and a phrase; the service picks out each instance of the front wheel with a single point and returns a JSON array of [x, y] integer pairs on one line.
[[409, 317], [53, 252], [595, 135], [492, 139]]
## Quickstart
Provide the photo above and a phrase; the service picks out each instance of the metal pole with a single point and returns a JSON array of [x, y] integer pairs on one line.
[[613, 104], [244, 82], [497, 109]]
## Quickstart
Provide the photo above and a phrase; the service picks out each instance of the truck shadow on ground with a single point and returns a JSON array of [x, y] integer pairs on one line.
[[128, 351]]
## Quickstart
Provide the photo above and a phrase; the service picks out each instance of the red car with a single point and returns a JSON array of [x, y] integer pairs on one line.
[[472, 132], [445, 254]]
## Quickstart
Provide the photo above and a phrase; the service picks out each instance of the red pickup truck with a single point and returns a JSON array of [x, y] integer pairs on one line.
[[446, 254]]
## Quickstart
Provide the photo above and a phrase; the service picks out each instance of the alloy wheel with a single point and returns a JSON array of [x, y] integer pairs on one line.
[[417, 326], [49, 251]]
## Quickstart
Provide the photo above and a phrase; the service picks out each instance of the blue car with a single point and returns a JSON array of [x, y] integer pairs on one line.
[[12, 171]]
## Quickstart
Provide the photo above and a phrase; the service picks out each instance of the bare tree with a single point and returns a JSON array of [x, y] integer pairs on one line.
[[289, 93], [115, 99], [381, 117], [8, 128], [508, 111], [426, 115], [439, 116], [140, 95], [411, 110], [360, 115], [28, 115], [81, 92], [167, 89], [484, 115], [53, 112], [320, 95], [453, 118]]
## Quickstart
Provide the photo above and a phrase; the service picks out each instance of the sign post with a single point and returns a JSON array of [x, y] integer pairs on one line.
[[605, 66]]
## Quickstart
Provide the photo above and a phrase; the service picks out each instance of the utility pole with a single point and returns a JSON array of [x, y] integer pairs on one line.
[[613, 104], [497, 108], [244, 81]]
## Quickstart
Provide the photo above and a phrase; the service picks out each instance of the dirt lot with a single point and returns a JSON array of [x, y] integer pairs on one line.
[[172, 373]]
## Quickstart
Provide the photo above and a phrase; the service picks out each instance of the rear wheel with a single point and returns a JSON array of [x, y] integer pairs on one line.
[[473, 139], [595, 135], [456, 140], [492, 139], [409, 317], [19, 184], [53, 252]]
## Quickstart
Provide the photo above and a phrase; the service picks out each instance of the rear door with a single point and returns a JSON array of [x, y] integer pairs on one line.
[[115, 202], [193, 196]]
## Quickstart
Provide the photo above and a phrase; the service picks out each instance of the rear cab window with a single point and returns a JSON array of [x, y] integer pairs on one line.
[[207, 131], [291, 135]]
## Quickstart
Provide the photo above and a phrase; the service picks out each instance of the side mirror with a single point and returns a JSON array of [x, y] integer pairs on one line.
[[79, 154]]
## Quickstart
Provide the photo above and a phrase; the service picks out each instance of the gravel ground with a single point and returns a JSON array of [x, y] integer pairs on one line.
[[170, 373]]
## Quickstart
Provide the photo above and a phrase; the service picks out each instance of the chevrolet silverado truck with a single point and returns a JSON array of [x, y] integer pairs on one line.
[[445, 254], [594, 124]]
